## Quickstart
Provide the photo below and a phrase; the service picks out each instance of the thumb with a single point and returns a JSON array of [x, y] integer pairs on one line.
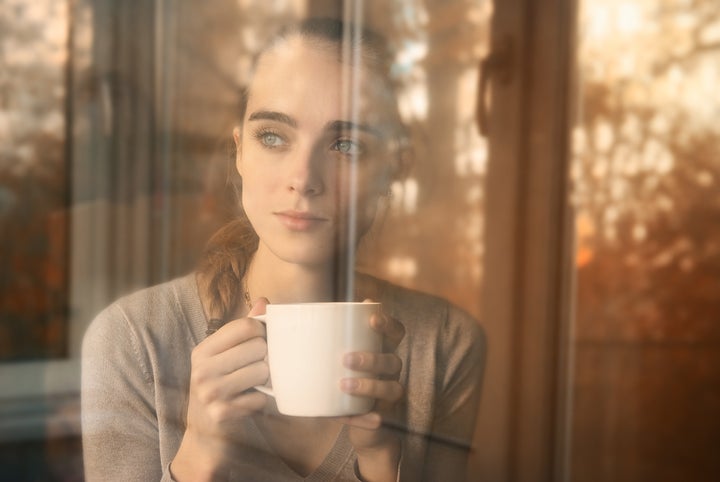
[[258, 307]]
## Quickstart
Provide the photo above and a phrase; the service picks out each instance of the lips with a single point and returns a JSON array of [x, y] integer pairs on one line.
[[300, 220]]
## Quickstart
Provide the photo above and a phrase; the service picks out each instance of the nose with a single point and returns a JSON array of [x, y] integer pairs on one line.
[[306, 175]]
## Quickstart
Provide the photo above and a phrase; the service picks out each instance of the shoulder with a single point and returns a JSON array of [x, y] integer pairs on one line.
[[443, 351], [150, 314], [424, 313], [171, 297]]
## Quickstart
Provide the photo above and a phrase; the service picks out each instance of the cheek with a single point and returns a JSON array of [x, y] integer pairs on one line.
[[254, 192], [363, 200], [367, 181], [247, 203], [260, 177]]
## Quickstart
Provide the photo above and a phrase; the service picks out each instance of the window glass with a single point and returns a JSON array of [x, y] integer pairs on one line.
[[645, 179], [118, 164], [34, 181]]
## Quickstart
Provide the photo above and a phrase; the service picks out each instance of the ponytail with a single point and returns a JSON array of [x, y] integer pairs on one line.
[[222, 268]]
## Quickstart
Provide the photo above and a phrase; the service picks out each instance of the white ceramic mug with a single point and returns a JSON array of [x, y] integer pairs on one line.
[[306, 346]]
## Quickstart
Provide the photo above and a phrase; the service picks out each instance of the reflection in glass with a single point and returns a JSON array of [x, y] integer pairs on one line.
[[430, 237], [645, 179], [150, 100], [34, 184]]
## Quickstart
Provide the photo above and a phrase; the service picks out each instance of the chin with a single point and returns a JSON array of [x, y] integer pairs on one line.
[[303, 253], [313, 253], [309, 260], [312, 249]]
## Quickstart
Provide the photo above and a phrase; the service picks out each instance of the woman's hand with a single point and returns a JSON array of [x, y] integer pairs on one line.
[[224, 367], [378, 448]]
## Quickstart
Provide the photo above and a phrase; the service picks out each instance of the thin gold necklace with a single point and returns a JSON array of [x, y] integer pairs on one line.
[[246, 297], [214, 324]]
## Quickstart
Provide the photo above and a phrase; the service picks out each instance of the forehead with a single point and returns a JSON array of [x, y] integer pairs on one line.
[[308, 75]]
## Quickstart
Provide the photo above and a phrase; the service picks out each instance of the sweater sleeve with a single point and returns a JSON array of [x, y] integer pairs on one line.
[[461, 360], [119, 422]]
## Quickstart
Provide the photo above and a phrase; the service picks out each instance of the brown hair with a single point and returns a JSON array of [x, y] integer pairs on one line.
[[228, 253]]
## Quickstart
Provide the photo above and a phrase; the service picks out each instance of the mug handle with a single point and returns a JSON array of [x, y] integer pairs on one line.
[[263, 388]]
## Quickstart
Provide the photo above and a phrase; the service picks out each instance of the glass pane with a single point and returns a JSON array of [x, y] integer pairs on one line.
[[39, 325], [149, 93], [432, 237], [646, 172], [34, 182]]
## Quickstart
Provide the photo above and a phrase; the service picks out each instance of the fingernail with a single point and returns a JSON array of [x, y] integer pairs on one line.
[[370, 421], [380, 321], [352, 360], [349, 384], [374, 418]]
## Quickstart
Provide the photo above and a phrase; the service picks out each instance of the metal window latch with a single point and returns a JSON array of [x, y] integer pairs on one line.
[[498, 64]]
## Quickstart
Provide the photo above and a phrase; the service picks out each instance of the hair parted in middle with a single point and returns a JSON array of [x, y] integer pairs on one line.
[[226, 257]]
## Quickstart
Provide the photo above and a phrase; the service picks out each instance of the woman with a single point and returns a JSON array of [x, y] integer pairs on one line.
[[168, 372]]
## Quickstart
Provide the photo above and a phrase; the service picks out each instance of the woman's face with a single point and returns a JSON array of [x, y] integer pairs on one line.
[[312, 171]]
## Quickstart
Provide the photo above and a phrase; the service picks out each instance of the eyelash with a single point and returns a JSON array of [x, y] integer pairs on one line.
[[260, 133], [358, 145]]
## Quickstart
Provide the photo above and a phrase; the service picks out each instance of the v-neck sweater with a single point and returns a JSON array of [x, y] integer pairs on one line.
[[136, 375]]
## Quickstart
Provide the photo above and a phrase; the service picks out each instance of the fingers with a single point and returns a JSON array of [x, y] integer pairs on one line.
[[384, 365], [218, 404], [368, 421], [382, 390], [231, 334], [225, 414], [231, 361], [238, 356], [381, 364], [211, 388], [239, 381], [234, 332], [258, 307], [392, 330]]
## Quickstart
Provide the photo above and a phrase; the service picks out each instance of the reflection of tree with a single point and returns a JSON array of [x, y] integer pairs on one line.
[[208, 70], [158, 125], [435, 245], [647, 191], [647, 176], [703, 18], [661, 272], [33, 180]]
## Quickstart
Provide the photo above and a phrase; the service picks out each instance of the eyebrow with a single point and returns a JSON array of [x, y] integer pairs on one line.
[[339, 125], [335, 126], [273, 116]]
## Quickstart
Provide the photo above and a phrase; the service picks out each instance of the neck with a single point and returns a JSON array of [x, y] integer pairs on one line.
[[283, 282]]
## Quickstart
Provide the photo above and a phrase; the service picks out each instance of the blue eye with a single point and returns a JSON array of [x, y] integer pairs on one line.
[[346, 146], [270, 139]]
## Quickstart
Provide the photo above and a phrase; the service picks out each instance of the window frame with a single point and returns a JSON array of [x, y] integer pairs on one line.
[[522, 432]]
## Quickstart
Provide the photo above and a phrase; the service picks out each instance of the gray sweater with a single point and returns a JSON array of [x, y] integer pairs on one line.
[[135, 380]]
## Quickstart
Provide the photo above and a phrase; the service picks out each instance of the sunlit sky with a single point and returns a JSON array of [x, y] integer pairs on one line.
[[654, 62], [633, 41], [32, 56]]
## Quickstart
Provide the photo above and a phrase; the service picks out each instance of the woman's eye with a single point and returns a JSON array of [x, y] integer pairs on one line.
[[346, 146], [270, 139]]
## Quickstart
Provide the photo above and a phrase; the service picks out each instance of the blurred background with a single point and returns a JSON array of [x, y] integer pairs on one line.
[[116, 165]]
